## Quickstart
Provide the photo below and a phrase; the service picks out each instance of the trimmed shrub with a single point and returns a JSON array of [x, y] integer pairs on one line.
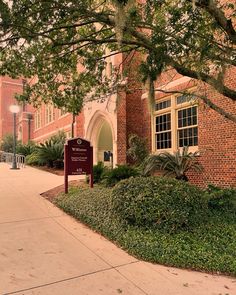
[[92, 206], [221, 198], [113, 176], [33, 159], [159, 201]]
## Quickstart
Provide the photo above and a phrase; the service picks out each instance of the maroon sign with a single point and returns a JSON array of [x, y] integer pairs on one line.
[[78, 159]]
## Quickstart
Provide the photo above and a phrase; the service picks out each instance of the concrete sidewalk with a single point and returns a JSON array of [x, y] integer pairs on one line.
[[44, 251]]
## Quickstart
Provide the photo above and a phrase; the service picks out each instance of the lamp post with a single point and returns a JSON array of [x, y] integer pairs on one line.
[[15, 110]]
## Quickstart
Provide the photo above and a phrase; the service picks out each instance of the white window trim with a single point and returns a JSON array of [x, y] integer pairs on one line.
[[46, 116], [173, 109], [37, 114]]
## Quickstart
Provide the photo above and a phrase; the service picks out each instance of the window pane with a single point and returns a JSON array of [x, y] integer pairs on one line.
[[185, 98], [187, 117], [188, 137], [163, 105], [163, 133], [163, 140]]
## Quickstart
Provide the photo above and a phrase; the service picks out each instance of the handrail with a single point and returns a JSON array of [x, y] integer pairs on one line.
[[8, 158]]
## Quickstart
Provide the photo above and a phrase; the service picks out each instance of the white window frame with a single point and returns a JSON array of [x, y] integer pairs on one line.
[[173, 110], [38, 119], [49, 113]]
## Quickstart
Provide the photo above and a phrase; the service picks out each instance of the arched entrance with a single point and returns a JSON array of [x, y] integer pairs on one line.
[[105, 144], [100, 132]]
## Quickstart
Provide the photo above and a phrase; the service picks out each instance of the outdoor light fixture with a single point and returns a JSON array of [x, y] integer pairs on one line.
[[15, 110]]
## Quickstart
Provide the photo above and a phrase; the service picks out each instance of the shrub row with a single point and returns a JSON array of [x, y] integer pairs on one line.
[[163, 202], [191, 228], [110, 177]]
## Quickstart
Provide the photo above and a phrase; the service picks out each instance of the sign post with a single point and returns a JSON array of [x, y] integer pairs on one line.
[[78, 159]]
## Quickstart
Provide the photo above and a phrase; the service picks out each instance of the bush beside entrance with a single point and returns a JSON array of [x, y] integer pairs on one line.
[[205, 244], [159, 201]]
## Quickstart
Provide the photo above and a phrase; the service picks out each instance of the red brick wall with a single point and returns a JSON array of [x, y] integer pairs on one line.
[[217, 140], [129, 111], [8, 89], [217, 135], [121, 128], [59, 123], [79, 127]]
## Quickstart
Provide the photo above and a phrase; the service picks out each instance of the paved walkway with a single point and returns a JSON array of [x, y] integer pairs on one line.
[[44, 251]]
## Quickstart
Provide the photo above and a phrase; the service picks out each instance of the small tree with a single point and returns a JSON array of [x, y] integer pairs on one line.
[[7, 143], [176, 164], [137, 149]]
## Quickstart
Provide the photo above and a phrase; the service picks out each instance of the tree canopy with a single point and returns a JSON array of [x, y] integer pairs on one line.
[[49, 38]]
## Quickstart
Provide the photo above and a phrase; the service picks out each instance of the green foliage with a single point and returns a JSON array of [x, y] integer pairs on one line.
[[7, 143], [98, 172], [137, 149], [209, 247], [157, 201], [112, 176], [45, 45], [33, 159], [59, 138], [221, 198], [51, 152], [26, 149], [92, 206], [177, 164]]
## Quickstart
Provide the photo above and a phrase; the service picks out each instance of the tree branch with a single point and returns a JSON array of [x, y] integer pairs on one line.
[[219, 16]]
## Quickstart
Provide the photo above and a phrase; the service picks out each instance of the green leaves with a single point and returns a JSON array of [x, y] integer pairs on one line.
[[50, 153], [49, 39], [207, 247], [162, 202], [177, 163]]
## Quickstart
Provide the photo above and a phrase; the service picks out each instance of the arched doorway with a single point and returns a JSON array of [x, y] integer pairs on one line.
[[100, 131], [105, 144]]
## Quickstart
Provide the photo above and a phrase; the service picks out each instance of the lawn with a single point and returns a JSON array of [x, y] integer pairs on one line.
[[210, 246]]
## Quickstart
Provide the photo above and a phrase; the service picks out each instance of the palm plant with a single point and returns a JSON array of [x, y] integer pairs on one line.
[[50, 152], [176, 164], [26, 149]]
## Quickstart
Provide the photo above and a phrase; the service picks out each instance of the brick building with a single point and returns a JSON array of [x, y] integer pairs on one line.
[[175, 121]]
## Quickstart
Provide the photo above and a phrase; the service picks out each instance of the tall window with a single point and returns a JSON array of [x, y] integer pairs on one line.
[[163, 131], [38, 119], [176, 123], [187, 127], [49, 113]]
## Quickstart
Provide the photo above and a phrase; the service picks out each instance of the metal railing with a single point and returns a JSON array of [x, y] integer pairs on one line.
[[8, 158]]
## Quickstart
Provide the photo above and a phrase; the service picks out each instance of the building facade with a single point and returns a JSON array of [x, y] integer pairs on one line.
[[175, 121]]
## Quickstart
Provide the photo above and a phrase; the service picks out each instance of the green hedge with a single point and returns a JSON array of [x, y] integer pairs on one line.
[[208, 247], [221, 198], [111, 177], [160, 201]]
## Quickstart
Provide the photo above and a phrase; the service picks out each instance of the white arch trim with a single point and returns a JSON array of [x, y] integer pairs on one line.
[[96, 123], [93, 130]]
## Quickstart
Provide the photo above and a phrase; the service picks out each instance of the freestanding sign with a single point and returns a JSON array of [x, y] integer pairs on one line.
[[78, 159]]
